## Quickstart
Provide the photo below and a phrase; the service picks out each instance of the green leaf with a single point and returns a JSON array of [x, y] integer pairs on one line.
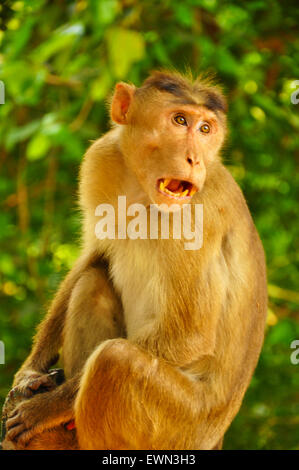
[[101, 86], [60, 40], [19, 134], [38, 147], [107, 10], [124, 47]]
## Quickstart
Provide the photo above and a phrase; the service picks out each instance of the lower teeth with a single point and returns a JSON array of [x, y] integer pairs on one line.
[[176, 194], [181, 194]]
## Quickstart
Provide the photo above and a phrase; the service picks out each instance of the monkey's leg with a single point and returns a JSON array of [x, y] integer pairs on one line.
[[129, 399], [219, 445]]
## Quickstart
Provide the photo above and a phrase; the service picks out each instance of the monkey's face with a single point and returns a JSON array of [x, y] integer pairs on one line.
[[169, 145]]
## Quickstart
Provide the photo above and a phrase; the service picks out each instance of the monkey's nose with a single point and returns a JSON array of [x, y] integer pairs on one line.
[[193, 160]]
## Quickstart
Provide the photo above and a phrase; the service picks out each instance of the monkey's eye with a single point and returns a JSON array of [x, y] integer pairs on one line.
[[205, 128], [180, 119]]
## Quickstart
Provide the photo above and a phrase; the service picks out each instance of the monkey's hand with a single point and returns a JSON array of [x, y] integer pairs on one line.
[[23, 422], [29, 382], [27, 419], [42, 411]]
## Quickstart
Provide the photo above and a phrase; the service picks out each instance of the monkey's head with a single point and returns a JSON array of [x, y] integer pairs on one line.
[[172, 129]]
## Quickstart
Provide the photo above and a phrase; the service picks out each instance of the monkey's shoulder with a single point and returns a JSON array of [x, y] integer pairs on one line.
[[107, 143], [227, 217], [101, 171]]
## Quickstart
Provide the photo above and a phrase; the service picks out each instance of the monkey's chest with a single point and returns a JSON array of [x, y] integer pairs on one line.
[[137, 277]]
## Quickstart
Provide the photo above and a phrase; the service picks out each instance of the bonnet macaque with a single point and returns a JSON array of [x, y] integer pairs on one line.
[[158, 342]]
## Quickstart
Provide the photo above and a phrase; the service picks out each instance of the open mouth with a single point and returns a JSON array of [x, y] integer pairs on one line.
[[177, 189]]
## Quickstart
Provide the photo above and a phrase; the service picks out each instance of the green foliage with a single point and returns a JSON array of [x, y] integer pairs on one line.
[[59, 61]]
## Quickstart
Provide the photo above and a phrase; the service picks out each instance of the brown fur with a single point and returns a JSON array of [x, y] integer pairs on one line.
[[160, 342]]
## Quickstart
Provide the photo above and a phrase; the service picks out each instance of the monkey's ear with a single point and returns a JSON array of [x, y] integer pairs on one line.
[[121, 101]]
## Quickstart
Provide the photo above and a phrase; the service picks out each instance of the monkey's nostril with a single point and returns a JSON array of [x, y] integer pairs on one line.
[[189, 160]]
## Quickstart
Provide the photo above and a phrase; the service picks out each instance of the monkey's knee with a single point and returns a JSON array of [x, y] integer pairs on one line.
[[110, 354], [101, 410], [99, 370]]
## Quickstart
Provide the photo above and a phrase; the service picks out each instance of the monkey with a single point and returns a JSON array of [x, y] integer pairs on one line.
[[158, 343]]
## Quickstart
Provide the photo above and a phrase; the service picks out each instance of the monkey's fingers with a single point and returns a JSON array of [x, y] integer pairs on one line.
[[8, 445], [15, 431], [17, 393], [12, 414], [18, 432], [13, 420], [25, 436], [28, 388], [44, 381], [12, 400]]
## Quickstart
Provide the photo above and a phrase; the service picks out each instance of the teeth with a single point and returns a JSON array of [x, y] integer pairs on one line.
[[171, 193], [176, 194], [168, 192], [180, 193]]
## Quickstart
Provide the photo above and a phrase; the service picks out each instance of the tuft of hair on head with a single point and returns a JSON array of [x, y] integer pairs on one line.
[[202, 90]]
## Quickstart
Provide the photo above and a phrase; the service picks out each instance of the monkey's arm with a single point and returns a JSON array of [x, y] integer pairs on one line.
[[48, 340]]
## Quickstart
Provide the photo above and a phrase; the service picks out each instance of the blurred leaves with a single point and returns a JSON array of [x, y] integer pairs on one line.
[[132, 50], [59, 61]]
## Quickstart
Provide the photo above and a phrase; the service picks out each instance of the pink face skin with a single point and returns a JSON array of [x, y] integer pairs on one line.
[[169, 146]]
